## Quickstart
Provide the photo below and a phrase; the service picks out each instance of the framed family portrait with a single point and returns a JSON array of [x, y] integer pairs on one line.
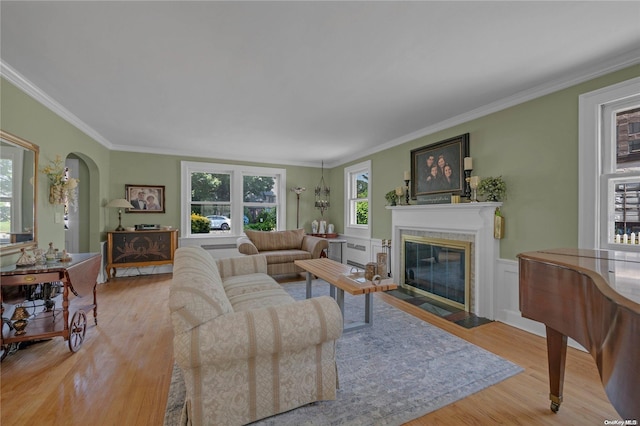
[[145, 198], [439, 167]]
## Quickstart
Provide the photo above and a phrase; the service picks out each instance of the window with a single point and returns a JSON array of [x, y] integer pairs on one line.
[[260, 202], [6, 193], [10, 194], [357, 190], [609, 167], [232, 198]]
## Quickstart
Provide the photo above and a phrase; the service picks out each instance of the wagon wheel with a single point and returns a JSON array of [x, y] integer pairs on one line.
[[77, 330], [7, 349]]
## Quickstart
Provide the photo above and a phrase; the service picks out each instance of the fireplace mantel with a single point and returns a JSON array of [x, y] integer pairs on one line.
[[470, 219]]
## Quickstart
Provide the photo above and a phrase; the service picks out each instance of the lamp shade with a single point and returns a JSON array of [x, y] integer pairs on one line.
[[119, 203]]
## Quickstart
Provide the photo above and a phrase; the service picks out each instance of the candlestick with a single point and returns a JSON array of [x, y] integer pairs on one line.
[[468, 163], [467, 187], [473, 183], [406, 194]]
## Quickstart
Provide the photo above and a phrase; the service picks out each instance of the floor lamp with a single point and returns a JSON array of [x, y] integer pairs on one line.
[[120, 203], [298, 190]]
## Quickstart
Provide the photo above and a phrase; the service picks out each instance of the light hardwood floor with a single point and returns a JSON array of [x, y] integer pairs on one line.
[[121, 374]]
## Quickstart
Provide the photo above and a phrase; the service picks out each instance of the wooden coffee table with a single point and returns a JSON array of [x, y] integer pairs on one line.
[[336, 275]]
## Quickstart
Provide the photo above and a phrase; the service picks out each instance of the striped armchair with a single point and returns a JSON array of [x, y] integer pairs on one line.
[[247, 350]]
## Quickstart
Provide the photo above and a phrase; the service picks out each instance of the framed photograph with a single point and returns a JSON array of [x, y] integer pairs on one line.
[[145, 198], [439, 167]]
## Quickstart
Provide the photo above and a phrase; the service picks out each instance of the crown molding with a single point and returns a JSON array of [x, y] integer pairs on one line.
[[615, 64], [39, 95], [199, 154], [22, 83]]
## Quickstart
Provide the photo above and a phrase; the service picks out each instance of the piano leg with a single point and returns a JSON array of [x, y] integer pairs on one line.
[[557, 355]]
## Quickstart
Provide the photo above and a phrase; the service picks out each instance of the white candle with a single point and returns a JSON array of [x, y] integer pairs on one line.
[[468, 163], [617, 239], [407, 176], [625, 239], [632, 238]]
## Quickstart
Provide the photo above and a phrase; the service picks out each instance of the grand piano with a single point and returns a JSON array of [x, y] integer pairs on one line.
[[592, 296]]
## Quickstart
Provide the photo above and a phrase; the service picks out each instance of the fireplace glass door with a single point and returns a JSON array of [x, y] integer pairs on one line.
[[437, 268]]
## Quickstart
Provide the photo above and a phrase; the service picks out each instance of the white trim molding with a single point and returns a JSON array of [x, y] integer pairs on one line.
[[471, 219], [592, 157]]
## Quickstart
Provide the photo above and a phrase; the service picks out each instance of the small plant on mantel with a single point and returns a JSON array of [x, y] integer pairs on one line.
[[391, 197], [493, 188]]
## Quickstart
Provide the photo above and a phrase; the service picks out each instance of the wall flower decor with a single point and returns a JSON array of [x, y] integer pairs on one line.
[[62, 188]]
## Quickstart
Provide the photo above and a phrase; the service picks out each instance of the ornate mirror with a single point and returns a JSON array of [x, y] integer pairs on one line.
[[18, 193]]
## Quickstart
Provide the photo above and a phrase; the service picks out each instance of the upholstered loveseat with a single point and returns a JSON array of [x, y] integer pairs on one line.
[[282, 248], [247, 350]]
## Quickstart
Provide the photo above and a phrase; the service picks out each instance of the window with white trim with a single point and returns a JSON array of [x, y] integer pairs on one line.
[[357, 207], [232, 198], [11, 159], [609, 168]]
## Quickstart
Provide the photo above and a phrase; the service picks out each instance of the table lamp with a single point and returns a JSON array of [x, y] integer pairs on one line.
[[120, 203]]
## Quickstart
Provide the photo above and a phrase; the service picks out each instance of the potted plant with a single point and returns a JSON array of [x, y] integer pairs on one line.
[[493, 188], [391, 197]]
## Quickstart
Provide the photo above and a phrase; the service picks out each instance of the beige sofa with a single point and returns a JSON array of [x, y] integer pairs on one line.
[[246, 348], [282, 248]]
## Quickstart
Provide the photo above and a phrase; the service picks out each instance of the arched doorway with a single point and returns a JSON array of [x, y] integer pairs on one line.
[[78, 218]]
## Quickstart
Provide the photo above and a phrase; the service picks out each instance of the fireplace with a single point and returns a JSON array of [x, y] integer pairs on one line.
[[464, 225], [437, 268]]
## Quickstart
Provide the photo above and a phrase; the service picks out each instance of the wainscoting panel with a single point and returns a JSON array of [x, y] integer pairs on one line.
[[508, 301], [508, 298]]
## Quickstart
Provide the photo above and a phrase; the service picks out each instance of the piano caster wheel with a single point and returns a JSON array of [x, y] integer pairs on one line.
[[555, 407]]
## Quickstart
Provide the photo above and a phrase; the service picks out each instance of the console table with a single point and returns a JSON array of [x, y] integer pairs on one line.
[[127, 249], [78, 276], [335, 245]]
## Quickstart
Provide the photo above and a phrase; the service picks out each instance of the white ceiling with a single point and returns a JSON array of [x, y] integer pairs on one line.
[[301, 82]]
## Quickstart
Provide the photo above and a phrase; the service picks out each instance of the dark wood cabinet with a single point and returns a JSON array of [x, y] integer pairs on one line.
[[126, 249]]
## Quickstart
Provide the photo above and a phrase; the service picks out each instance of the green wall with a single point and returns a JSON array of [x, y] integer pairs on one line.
[[151, 169], [23, 116], [534, 146]]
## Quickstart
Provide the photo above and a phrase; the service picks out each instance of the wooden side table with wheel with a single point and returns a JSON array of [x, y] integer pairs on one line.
[[32, 289]]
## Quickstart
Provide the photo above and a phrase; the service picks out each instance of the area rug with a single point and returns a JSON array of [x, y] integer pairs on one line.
[[397, 370]]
